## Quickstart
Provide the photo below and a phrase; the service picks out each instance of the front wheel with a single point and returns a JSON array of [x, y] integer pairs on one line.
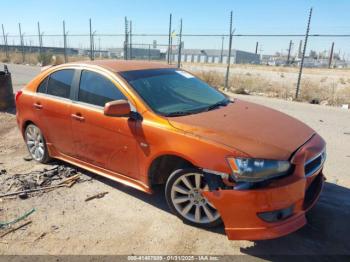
[[183, 194], [36, 144]]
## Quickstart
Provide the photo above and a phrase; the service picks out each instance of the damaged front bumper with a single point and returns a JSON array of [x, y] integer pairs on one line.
[[276, 209]]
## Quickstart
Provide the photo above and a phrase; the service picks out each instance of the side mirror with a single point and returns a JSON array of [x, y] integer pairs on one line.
[[117, 108]]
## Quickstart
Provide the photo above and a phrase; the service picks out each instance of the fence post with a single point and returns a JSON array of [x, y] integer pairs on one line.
[[22, 42], [289, 50], [130, 40], [303, 56], [180, 46], [149, 52], [64, 42], [169, 40], [256, 47], [331, 56], [126, 39], [91, 47], [39, 38], [229, 53], [5, 41]]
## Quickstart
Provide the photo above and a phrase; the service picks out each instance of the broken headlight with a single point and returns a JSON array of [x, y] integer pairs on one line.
[[256, 170]]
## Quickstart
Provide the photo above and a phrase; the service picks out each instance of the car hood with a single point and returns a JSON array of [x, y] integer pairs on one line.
[[255, 130]]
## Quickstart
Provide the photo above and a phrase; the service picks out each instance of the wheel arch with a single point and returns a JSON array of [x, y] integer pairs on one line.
[[164, 165]]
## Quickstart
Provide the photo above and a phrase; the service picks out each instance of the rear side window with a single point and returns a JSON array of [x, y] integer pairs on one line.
[[42, 87], [60, 83], [97, 90]]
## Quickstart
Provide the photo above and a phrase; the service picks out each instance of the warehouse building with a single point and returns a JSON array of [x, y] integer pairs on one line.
[[216, 56]]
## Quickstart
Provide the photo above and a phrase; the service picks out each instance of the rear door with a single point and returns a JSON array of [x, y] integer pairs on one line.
[[106, 142], [52, 105]]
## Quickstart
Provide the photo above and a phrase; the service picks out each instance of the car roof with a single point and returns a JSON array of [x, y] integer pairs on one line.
[[125, 65]]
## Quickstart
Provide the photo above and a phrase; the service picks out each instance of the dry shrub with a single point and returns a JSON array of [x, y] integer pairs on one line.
[[213, 78], [311, 91]]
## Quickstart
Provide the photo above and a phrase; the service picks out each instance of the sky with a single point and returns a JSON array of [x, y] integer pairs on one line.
[[199, 17]]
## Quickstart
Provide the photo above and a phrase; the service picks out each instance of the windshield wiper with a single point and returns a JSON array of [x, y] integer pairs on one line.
[[179, 113], [224, 102]]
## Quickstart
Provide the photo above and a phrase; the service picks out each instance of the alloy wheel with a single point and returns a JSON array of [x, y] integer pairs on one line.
[[189, 202]]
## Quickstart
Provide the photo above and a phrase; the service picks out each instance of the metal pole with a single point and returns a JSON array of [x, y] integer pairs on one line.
[[39, 38], [169, 43], [222, 49], [5, 41], [180, 47], [91, 55], [126, 40], [303, 57], [256, 47], [229, 53], [22, 42], [64, 42], [149, 52], [130, 39], [289, 50], [331, 56]]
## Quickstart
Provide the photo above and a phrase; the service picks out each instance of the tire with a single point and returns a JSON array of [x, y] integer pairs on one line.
[[36, 144], [182, 192]]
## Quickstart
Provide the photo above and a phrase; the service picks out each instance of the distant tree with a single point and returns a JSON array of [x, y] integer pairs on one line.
[[313, 54], [336, 56]]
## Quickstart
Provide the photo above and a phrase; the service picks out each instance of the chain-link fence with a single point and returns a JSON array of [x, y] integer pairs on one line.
[[254, 61]]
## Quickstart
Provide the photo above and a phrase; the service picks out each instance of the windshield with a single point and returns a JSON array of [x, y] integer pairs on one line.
[[172, 92]]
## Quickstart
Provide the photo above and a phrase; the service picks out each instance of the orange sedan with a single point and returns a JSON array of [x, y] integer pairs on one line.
[[142, 124]]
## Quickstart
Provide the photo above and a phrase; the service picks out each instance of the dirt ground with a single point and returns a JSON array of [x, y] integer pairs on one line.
[[127, 221]]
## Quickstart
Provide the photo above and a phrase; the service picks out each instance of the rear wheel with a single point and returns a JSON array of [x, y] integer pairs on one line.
[[36, 144], [183, 194]]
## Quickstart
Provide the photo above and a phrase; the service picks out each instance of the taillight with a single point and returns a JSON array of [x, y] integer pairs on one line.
[[18, 94]]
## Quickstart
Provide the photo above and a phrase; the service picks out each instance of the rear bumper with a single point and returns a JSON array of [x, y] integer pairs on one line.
[[239, 209]]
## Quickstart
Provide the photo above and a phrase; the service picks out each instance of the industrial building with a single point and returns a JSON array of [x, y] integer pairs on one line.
[[216, 56]]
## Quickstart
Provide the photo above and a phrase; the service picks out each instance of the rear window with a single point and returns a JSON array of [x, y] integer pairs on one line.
[[42, 87], [60, 83]]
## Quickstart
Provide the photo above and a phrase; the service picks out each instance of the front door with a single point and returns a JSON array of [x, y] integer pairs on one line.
[[106, 142]]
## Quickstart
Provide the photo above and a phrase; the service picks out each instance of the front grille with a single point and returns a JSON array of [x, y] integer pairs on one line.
[[314, 164]]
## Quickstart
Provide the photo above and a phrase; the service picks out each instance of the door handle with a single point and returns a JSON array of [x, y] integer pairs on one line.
[[77, 117], [38, 106]]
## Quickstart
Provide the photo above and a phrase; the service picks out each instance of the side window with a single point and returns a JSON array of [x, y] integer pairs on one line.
[[42, 87], [97, 90], [60, 83]]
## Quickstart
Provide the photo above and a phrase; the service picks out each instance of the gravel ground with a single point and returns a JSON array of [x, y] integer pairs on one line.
[[127, 221]]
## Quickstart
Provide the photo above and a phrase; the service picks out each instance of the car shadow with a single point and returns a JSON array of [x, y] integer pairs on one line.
[[157, 199], [326, 233]]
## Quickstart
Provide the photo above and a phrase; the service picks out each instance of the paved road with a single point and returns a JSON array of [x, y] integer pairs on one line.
[[128, 221], [21, 74]]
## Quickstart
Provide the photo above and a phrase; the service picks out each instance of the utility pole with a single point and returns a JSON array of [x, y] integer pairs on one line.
[[222, 49], [130, 30], [331, 56], [180, 46], [289, 50], [5, 41], [91, 42], [169, 40], [303, 57], [65, 42], [256, 47], [229, 53], [22, 42], [300, 47]]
